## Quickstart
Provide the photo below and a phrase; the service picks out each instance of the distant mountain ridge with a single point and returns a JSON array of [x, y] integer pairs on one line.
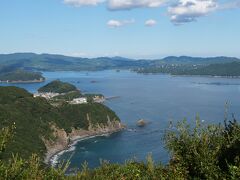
[[199, 60], [54, 62]]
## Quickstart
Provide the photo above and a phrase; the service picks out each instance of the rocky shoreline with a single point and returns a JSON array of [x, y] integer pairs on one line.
[[63, 140]]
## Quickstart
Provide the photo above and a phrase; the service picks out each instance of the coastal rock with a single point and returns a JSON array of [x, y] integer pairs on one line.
[[141, 123]]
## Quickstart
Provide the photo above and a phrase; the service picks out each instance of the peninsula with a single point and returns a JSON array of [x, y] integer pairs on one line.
[[45, 129]]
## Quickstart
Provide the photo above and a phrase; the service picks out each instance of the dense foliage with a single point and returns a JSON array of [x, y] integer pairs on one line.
[[69, 96], [57, 86], [97, 113], [33, 116], [20, 75], [200, 152], [225, 69]]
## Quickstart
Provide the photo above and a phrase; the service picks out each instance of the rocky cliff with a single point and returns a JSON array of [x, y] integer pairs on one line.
[[62, 140]]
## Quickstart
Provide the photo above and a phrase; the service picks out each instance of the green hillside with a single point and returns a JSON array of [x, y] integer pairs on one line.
[[33, 117], [21, 76], [68, 96], [200, 152], [225, 69], [57, 87]]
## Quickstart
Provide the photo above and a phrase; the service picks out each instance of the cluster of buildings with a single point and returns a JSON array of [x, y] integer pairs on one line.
[[81, 100], [47, 95], [50, 95]]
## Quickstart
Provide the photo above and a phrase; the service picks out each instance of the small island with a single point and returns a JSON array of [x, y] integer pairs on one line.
[[141, 123], [21, 76]]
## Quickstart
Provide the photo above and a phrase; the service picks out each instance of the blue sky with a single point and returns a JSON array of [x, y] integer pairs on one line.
[[129, 28]]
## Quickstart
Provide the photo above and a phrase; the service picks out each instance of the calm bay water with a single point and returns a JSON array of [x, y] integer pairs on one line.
[[156, 98]]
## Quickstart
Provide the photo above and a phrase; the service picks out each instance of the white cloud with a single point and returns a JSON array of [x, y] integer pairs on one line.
[[116, 23], [189, 10], [230, 5], [180, 11], [150, 22], [131, 4], [79, 3]]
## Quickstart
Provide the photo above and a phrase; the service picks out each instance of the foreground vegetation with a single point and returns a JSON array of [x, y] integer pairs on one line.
[[200, 152]]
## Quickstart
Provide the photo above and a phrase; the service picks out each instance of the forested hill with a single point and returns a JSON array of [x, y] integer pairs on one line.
[[33, 118], [226, 69], [49, 62], [57, 86], [21, 76], [198, 60]]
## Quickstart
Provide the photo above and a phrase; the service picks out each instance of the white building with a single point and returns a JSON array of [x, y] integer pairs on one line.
[[47, 95], [81, 100]]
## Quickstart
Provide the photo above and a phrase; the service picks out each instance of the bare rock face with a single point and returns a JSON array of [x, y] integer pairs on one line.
[[98, 129], [60, 141]]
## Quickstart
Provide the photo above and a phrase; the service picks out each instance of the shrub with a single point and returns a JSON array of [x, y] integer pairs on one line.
[[200, 152]]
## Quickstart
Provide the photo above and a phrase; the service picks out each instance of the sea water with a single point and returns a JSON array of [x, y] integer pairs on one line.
[[155, 98]]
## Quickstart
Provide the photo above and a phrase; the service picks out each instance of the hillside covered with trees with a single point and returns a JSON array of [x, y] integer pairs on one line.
[[225, 69], [51, 62], [57, 86], [21, 76], [34, 118]]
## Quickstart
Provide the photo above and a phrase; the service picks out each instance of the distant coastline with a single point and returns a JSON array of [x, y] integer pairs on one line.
[[22, 81], [209, 76], [176, 75]]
